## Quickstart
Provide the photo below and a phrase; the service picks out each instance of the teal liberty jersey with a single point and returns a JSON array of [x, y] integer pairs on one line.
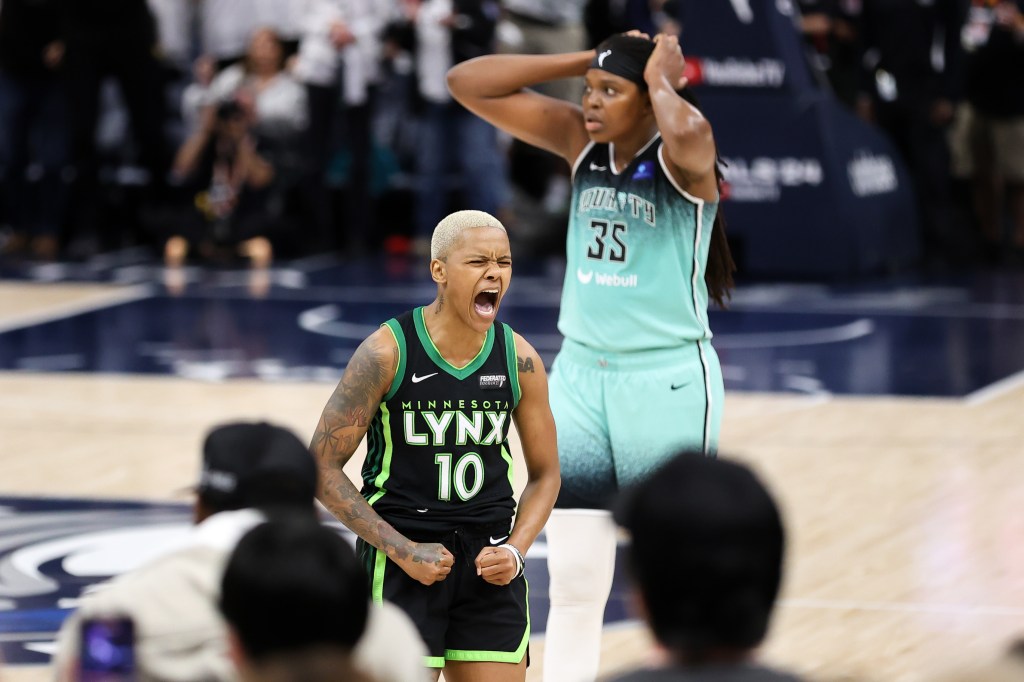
[[636, 253]]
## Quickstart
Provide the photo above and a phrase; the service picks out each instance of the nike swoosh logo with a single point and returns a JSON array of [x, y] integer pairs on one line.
[[495, 541], [416, 379], [584, 277], [676, 387], [422, 511], [595, 167], [601, 57]]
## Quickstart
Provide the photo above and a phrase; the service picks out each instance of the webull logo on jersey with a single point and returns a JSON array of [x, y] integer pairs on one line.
[[603, 279], [459, 424], [608, 199]]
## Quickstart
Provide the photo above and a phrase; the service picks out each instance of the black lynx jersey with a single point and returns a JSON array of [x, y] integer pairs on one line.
[[437, 449]]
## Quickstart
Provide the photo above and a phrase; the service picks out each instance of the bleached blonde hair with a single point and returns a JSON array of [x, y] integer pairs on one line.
[[449, 231]]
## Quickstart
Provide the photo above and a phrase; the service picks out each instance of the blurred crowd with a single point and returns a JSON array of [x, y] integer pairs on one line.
[[944, 79], [243, 129]]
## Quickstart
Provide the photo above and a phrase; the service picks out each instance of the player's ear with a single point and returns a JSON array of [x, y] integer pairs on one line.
[[438, 271]]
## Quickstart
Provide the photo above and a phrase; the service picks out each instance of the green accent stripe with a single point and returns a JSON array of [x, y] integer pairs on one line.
[[377, 588], [513, 364], [396, 331], [435, 355], [385, 471], [505, 455], [433, 661], [513, 657]]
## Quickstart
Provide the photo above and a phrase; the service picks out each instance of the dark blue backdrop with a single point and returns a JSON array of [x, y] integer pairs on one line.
[[813, 190]]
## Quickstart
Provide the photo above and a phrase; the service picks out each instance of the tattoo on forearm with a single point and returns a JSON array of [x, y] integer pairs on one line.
[[342, 425], [526, 364], [352, 509]]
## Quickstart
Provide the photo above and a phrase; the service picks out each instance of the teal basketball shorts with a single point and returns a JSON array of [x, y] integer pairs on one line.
[[620, 415]]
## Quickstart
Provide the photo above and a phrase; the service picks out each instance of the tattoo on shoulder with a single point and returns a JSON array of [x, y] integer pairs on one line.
[[526, 364], [355, 399]]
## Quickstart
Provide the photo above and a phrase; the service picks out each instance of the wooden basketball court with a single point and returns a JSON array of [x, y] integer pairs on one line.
[[905, 515]]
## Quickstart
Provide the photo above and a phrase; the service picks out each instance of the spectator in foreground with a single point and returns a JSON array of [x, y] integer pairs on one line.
[[706, 560], [296, 600]]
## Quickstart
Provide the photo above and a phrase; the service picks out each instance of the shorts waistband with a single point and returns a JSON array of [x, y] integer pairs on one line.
[[466, 530], [581, 354]]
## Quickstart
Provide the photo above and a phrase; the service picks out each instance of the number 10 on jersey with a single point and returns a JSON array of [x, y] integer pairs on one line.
[[447, 478]]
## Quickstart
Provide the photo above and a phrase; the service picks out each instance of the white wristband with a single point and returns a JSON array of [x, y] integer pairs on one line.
[[517, 555]]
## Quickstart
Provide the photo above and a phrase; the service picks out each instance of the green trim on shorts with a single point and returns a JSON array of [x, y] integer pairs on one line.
[[514, 657], [377, 587], [433, 661]]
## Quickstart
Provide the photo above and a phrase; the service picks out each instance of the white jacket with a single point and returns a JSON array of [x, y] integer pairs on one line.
[[179, 632]]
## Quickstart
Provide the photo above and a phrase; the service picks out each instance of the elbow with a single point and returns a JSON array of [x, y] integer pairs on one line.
[[456, 80], [697, 130], [466, 78]]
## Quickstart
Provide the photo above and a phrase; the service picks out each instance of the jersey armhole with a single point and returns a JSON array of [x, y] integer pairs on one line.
[[512, 359], [579, 159], [396, 331], [671, 178]]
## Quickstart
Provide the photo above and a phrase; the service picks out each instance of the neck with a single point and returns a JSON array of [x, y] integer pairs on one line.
[[457, 343], [263, 71], [629, 145], [712, 656]]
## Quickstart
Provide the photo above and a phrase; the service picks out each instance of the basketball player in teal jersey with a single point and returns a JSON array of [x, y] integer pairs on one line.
[[435, 391], [636, 379]]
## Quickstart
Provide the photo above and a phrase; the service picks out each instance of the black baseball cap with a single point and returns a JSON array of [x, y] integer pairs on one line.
[[256, 464]]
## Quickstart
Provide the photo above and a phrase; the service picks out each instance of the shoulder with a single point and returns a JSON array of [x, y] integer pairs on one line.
[[523, 347], [377, 357], [172, 589], [529, 364], [383, 342], [390, 641]]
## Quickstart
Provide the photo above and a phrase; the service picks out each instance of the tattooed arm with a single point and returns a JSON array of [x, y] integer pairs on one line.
[[343, 423], [536, 429]]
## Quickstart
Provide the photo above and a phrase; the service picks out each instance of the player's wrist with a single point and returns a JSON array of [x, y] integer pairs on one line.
[[518, 557]]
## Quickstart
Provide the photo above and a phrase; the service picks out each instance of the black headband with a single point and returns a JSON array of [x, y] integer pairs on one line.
[[624, 56]]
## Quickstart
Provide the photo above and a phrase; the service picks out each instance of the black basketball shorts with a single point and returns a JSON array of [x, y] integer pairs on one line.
[[463, 617]]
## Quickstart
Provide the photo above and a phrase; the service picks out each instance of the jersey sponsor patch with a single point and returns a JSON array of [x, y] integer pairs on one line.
[[493, 381]]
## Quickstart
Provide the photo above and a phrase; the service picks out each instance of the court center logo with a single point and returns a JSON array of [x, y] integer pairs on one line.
[[54, 551]]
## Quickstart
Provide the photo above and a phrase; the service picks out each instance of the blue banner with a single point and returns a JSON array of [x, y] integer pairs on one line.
[[813, 191]]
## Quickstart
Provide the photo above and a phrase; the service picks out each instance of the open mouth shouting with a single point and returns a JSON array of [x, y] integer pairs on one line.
[[486, 303]]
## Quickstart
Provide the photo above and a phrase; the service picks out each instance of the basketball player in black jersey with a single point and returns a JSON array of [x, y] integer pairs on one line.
[[435, 391]]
